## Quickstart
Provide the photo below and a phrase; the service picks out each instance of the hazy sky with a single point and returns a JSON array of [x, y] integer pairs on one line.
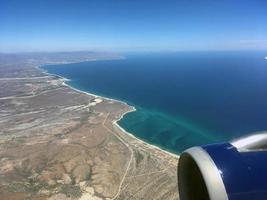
[[130, 25]]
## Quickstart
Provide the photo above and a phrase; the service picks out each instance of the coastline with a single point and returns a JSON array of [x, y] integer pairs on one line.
[[140, 140], [87, 155], [65, 80]]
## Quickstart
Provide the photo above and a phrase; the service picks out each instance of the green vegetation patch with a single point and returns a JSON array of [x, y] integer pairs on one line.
[[25, 187], [72, 191], [138, 157]]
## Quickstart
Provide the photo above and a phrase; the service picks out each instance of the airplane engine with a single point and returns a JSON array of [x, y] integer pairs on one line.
[[226, 171]]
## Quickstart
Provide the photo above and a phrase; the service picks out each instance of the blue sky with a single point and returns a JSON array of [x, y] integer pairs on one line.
[[132, 25]]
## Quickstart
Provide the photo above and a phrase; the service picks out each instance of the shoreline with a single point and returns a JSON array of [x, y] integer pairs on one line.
[[140, 140], [65, 80]]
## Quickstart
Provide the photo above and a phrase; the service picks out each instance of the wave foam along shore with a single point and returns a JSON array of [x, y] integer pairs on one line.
[[154, 147]]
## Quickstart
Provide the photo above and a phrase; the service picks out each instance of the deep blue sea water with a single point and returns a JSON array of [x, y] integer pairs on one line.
[[184, 98]]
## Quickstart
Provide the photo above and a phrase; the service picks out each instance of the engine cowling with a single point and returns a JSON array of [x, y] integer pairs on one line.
[[225, 171]]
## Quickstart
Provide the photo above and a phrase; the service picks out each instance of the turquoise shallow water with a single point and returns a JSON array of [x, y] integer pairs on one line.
[[182, 99], [165, 131]]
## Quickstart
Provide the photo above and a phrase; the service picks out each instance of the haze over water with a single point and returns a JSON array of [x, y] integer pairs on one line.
[[184, 98]]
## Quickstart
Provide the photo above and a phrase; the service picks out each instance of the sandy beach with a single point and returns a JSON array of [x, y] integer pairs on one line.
[[132, 109]]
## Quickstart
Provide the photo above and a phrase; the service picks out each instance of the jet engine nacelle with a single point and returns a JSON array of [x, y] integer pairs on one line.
[[225, 171]]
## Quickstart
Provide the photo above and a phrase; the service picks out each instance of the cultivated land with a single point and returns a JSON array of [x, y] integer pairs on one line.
[[57, 143]]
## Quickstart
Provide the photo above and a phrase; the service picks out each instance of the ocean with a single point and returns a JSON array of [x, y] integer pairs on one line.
[[182, 99]]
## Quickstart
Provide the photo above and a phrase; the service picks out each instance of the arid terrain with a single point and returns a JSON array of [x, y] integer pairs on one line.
[[57, 143]]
